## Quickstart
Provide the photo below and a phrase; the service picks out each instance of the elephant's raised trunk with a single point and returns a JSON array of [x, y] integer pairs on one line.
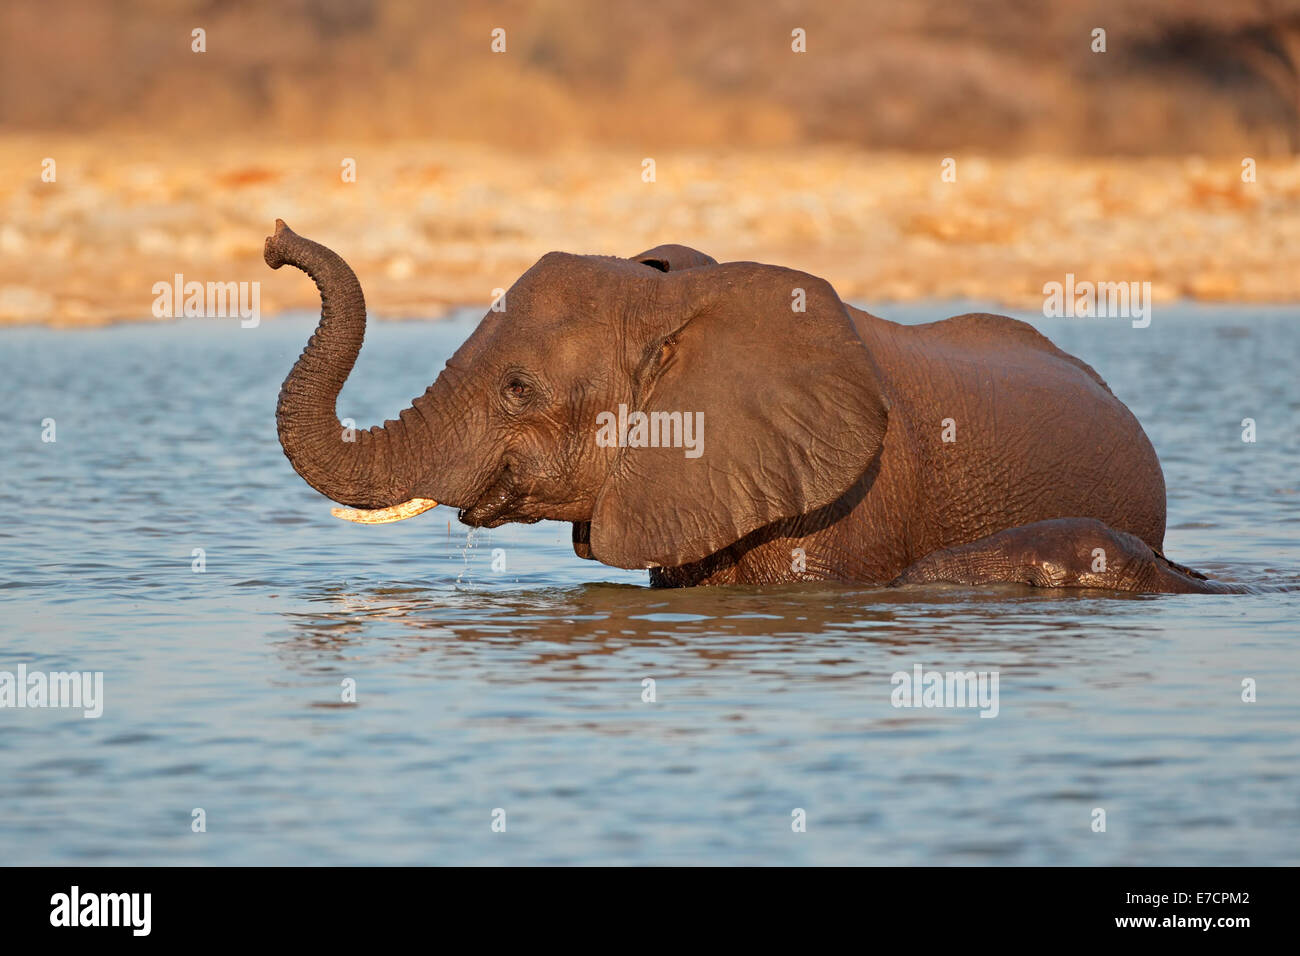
[[377, 468]]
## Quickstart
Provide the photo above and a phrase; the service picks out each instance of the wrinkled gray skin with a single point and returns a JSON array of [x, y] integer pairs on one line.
[[823, 452]]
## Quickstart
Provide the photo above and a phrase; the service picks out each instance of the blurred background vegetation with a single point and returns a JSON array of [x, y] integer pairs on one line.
[[996, 75]]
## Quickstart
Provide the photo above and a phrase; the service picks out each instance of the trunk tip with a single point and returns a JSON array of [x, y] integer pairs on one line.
[[271, 250]]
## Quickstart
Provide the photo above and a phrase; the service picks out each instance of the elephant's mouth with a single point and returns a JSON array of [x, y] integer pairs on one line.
[[493, 514], [507, 500], [495, 508], [484, 515]]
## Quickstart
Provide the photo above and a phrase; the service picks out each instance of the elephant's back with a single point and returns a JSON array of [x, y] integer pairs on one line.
[[1008, 429]]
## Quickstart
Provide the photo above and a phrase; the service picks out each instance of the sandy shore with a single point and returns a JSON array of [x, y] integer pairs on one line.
[[428, 226]]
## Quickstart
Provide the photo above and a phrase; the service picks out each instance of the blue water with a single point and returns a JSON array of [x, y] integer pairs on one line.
[[521, 689]]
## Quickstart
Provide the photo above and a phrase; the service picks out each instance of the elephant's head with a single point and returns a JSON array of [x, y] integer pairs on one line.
[[779, 406]]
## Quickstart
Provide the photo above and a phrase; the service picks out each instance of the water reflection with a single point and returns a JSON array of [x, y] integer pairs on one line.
[[563, 629]]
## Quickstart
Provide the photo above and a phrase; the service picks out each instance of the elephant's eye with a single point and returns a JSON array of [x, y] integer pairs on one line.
[[518, 389]]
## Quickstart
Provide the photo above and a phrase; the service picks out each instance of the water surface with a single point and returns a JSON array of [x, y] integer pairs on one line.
[[521, 688]]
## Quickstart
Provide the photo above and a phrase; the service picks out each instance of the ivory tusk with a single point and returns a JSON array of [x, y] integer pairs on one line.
[[407, 509]]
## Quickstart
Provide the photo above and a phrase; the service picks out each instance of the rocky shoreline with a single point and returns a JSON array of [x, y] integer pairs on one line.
[[431, 226]]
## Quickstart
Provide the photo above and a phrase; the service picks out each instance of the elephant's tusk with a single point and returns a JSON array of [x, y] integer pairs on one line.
[[407, 509]]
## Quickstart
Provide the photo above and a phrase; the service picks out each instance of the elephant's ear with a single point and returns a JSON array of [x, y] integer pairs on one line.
[[674, 258], [781, 408]]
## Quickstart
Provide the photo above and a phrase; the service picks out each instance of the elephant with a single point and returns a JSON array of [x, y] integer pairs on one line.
[[738, 423]]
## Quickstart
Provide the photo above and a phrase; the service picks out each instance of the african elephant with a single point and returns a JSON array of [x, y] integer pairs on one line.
[[723, 423]]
